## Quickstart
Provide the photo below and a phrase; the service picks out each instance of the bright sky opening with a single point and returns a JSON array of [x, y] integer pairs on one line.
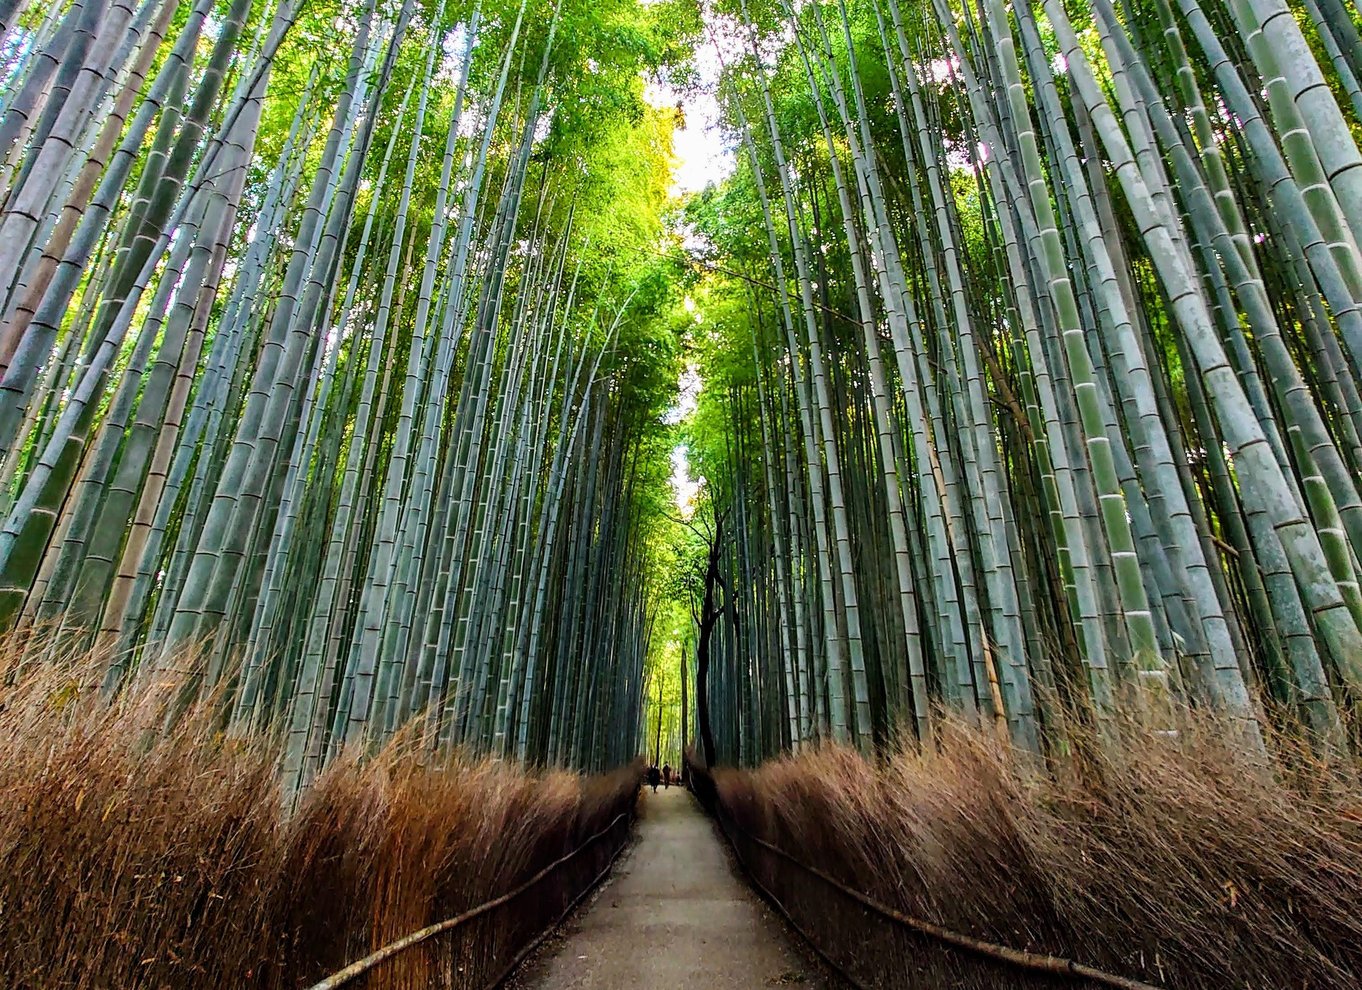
[[701, 155]]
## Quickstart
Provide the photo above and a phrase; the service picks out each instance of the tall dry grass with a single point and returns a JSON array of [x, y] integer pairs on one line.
[[1176, 864], [130, 857]]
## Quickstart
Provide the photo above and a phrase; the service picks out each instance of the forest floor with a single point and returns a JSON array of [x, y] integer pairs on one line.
[[673, 915]]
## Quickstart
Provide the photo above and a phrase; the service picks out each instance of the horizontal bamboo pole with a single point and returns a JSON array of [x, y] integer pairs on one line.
[[362, 966], [1035, 961]]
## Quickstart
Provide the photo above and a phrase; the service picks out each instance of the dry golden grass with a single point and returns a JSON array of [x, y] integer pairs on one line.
[[1182, 867], [134, 858]]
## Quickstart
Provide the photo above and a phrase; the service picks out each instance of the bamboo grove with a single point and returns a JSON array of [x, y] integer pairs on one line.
[[334, 352], [1031, 350]]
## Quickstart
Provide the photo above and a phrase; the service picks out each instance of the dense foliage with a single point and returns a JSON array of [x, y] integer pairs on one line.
[[339, 361], [335, 348], [1031, 353], [338, 345]]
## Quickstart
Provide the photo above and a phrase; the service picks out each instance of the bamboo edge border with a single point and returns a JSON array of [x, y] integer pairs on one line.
[[1018, 958], [362, 966]]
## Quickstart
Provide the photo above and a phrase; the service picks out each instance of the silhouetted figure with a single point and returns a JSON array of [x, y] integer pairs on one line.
[[667, 776], [654, 777]]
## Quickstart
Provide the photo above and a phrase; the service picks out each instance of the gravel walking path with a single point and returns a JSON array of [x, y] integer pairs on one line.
[[673, 916]]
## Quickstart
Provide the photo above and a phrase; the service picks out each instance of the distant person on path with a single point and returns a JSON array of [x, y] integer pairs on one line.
[[654, 777], [667, 777]]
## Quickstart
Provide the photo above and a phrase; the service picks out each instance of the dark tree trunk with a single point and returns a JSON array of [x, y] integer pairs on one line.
[[710, 614], [657, 749], [685, 717]]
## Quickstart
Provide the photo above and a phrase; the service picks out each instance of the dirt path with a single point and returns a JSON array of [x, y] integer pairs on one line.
[[673, 916]]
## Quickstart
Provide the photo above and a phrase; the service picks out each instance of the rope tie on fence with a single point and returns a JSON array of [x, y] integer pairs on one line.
[[1034, 961], [369, 962]]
